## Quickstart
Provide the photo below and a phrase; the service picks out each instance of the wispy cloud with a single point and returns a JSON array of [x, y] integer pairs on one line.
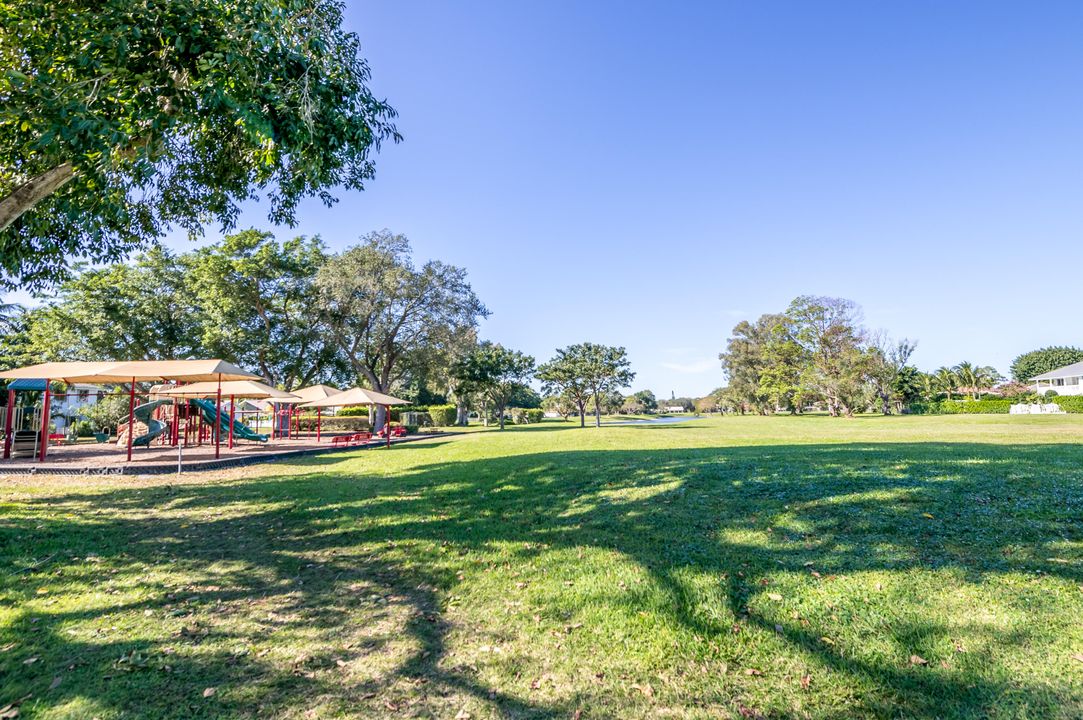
[[692, 368]]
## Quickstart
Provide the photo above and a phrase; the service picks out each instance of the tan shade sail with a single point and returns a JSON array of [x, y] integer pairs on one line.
[[184, 370], [66, 371], [316, 392], [234, 388], [356, 396], [116, 372]]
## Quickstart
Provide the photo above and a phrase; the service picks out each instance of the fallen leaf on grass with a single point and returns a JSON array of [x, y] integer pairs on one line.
[[918, 660], [1077, 656], [753, 671], [577, 714], [462, 715], [927, 515], [30, 661], [805, 680], [827, 641], [210, 692], [55, 683], [647, 690], [774, 596]]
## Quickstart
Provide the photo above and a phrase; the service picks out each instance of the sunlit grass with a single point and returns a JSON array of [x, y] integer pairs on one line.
[[735, 567]]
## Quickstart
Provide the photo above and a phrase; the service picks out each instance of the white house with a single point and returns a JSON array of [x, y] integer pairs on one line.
[[1067, 380]]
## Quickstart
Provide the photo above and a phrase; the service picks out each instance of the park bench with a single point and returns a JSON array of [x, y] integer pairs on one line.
[[341, 440], [361, 437]]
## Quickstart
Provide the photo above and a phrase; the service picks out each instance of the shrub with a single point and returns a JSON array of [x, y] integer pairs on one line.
[[1070, 403], [354, 411], [443, 415], [412, 429], [534, 415], [975, 407], [82, 428], [923, 408], [961, 407]]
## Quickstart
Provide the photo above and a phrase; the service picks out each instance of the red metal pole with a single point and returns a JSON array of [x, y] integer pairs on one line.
[[231, 416], [44, 423], [218, 420], [131, 412], [317, 424], [387, 424], [8, 431]]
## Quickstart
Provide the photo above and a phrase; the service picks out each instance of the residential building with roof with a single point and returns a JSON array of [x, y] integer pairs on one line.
[[1067, 380]]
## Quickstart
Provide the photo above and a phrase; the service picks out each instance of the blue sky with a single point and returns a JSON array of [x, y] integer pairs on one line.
[[648, 174]]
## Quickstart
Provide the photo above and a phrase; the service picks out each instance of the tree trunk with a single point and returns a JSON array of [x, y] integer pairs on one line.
[[500, 412], [462, 414], [381, 417], [33, 191], [597, 412]]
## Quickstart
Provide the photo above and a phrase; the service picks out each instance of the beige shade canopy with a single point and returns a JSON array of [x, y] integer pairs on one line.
[[234, 388], [356, 396], [115, 372], [66, 371], [315, 392]]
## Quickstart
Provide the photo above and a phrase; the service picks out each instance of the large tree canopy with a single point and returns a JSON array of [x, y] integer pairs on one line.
[[1036, 362], [257, 306], [140, 311], [496, 372], [587, 370], [122, 118], [388, 316]]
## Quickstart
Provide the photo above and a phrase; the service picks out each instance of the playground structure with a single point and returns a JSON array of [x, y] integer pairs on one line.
[[191, 405]]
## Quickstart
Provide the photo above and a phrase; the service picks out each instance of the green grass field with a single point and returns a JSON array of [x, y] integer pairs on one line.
[[914, 567]]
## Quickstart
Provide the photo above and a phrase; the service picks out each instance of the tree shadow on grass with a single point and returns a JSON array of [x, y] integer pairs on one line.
[[296, 560]]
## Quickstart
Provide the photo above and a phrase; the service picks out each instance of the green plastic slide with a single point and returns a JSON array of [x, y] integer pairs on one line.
[[240, 430], [143, 413]]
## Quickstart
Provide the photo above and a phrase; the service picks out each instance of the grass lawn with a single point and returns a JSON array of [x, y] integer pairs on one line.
[[735, 567]]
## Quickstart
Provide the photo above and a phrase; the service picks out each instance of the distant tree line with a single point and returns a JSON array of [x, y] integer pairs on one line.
[[818, 354]]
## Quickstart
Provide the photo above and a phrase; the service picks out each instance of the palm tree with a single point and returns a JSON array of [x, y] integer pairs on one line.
[[985, 378], [946, 381], [929, 387], [965, 372]]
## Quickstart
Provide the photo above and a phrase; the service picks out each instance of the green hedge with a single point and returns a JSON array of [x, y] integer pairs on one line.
[[962, 407], [442, 415], [1072, 404]]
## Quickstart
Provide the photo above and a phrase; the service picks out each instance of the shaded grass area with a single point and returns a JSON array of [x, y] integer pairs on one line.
[[734, 567]]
